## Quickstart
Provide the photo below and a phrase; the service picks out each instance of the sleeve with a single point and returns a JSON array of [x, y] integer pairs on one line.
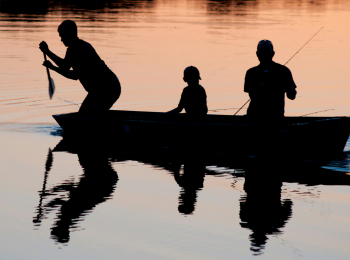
[[290, 84]]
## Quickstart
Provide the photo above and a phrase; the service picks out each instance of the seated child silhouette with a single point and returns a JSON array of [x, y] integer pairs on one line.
[[194, 97]]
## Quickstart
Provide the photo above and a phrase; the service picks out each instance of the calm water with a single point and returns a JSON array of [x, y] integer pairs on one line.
[[132, 203]]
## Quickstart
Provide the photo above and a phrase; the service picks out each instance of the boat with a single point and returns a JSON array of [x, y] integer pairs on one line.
[[296, 136]]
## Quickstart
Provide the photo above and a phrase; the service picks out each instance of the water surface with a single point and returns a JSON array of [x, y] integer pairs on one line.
[[88, 202]]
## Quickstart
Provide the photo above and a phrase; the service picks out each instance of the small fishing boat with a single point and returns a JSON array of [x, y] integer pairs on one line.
[[297, 136]]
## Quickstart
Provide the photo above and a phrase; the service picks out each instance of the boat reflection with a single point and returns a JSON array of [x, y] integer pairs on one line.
[[95, 186], [262, 208]]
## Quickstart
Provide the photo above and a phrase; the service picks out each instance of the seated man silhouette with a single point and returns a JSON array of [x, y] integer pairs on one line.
[[267, 84], [194, 97], [99, 81]]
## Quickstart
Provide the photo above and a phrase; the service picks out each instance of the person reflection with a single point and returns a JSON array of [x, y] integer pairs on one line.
[[261, 209], [95, 186], [190, 178]]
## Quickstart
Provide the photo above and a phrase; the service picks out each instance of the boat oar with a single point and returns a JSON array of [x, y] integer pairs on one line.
[[51, 83], [48, 165], [285, 64]]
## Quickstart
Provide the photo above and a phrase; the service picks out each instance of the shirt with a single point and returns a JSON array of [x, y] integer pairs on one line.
[[267, 89], [194, 100], [91, 70]]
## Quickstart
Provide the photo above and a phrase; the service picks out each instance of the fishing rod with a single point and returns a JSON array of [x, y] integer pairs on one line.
[[286, 63], [222, 109], [317, 112]]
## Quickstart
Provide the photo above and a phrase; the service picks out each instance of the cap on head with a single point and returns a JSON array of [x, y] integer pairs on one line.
[[191, 72], [68, 27], [265, 44]]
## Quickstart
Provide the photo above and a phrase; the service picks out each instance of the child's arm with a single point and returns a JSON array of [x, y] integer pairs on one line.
[[175, 111], [181, 105]]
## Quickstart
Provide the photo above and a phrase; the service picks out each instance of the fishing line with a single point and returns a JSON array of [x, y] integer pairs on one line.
[[286, 63], [67, 101]]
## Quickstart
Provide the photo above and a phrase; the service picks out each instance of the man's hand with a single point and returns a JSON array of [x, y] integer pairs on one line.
[[48, 64], [44, 47]]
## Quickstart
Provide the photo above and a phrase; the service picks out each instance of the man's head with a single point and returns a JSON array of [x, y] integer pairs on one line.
[[191, 75], [68, 32], [265, 51]]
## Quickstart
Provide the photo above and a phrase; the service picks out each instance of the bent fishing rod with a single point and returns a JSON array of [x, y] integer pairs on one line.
[[284, 64], [316, 112]]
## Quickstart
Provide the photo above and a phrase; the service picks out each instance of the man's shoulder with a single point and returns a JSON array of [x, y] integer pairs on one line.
[[80, 45], [280, 67], [253, 69]]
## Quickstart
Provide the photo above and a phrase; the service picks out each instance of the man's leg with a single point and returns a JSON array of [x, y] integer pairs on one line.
[[97, 103]]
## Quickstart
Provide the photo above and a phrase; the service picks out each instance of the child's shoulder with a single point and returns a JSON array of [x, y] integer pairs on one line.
[[197, 87], [194, 90]]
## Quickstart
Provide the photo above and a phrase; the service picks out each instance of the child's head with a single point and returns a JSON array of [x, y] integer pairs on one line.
[[191, 75]]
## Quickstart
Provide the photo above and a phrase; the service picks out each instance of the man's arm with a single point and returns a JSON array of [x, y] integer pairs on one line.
[[70, 74], [250, 86], [291, 87], [61, 63]]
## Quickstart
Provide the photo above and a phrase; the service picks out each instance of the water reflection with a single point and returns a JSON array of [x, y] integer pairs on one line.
[[43, 194], [95, 186], [190, 178], [88, 8], [261, 209], [245, 7], [237, 7], [91, 9]]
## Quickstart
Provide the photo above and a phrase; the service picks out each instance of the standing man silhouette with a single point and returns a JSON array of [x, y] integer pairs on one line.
[[267, 84], [83, 63]]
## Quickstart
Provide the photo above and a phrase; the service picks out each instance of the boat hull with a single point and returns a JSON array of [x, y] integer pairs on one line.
[[297, 136]]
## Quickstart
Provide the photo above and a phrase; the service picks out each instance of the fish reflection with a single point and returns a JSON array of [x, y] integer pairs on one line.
[[95, 186], [261, 209]]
